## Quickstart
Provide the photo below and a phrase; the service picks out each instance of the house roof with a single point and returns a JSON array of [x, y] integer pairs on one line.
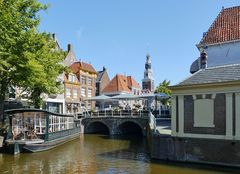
[[70, 57], [217, 74], [77, 66], [226, 27], [132, 82], [118, 84]]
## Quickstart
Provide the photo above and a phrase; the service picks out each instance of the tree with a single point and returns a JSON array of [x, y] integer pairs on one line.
[[28, 58], [46, 65], [163, 87]]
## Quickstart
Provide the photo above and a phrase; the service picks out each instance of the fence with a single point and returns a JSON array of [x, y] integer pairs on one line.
[[115, 113]]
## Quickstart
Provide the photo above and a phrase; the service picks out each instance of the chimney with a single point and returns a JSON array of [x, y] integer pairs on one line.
[[104, 69], [70, 47], [203, 60], [54, 36]]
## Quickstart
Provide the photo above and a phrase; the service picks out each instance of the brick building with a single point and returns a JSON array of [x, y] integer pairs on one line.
[[87, 77], [222, 40], [121, 84], [72, 93], [102, 81], [206, 105]]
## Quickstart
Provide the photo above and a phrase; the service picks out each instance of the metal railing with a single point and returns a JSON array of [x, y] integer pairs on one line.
[[116, 113]]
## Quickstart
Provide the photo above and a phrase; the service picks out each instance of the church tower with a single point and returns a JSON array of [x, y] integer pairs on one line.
[[148, 81]]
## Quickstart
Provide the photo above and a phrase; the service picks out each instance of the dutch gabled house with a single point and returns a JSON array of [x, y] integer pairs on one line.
[[122, 84], [87, 77]]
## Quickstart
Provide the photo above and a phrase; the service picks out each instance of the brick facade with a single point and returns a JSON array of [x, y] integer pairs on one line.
[[219, 116]]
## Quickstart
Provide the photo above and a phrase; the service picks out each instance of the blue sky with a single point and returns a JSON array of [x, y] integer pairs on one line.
[[118, 34]]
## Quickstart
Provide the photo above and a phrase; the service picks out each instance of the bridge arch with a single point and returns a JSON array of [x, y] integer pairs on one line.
[[97, 127], [130, 127]]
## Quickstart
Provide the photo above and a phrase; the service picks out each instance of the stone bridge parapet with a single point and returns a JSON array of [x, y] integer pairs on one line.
[[116, 125]]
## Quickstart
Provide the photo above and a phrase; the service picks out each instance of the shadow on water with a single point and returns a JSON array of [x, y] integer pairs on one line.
[[138, 150]]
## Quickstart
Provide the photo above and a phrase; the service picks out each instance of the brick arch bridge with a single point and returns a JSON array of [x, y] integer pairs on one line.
[[116, 125]]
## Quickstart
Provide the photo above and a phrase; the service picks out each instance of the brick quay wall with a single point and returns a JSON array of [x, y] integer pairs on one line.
[[195, 150]]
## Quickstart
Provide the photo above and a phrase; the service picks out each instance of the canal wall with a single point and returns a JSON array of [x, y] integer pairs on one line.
[[195, 150], [1, 141]]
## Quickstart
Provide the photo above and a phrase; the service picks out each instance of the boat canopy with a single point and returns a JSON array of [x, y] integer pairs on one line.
[[35, 123], [21, 110]]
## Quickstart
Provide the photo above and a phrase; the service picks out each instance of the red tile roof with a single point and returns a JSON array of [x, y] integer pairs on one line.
[[132, 82], [118, 84], [226, 27], [77, 66]]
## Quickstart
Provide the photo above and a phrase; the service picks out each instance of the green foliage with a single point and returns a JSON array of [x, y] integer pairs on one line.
[[28, 58], [46, 66], [163, 87]]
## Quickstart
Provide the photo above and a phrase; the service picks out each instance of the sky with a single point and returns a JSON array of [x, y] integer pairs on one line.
[[118, 34]]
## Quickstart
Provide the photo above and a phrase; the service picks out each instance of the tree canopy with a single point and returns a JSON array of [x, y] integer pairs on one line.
[[28, 58], [163, 87]]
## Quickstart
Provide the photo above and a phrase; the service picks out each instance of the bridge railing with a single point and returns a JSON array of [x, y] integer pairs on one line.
[[117, 113]]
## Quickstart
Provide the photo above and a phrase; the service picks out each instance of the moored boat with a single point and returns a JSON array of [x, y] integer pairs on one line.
[[34, 130]]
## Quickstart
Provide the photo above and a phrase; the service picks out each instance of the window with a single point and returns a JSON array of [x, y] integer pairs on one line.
[[83, 80], [83, 92], [90, 81], [60, 123], [40, 123], [71, 78], [68, 92], [134, 91], [89, 92], [75, 93]]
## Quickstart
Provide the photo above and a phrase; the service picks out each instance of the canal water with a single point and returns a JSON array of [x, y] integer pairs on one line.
[[98, 154]]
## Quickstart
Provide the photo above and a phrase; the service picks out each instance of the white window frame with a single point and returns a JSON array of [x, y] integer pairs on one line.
[[68, 93], [84, 78], [83, 92], [89, 92], [90, 81], [75, 93]]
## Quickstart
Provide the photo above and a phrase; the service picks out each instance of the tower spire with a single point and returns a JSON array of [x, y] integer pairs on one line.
[[148, 81]]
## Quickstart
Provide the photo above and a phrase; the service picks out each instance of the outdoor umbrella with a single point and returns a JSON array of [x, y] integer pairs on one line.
[[100, 98], [124, 97]]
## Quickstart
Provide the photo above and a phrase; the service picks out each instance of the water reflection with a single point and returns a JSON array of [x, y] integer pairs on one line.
[[94, 154]]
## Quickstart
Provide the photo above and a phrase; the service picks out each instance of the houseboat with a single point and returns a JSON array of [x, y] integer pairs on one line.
[[34, 130]]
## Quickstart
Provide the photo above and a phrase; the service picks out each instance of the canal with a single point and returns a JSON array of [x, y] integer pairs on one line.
[[98, 154]]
